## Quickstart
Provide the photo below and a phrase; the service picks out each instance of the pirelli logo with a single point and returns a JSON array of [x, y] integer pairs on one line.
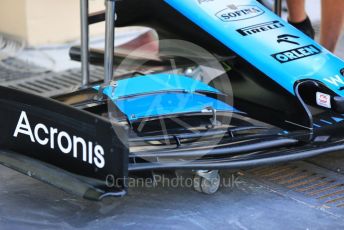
[[296, 54], [260, 28]]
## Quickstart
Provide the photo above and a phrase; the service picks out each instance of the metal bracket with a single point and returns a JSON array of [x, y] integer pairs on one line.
[[278, 7], [214, 121], [110, 16], [101, 96], [85, 68]]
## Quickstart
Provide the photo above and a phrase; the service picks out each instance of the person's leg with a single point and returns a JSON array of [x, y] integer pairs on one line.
[[332, 22], [298, 17], [297, 11]]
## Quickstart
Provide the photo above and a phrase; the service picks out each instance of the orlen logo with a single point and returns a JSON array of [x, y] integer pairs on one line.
[[236, 13], [67, 144]]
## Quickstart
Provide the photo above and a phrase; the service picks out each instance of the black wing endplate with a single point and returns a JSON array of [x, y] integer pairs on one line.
[[67, 140]]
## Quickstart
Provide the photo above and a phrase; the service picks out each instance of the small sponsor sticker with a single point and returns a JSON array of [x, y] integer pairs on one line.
[[323, 100]]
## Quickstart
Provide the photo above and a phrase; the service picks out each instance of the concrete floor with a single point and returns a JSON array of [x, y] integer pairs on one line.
[[28, 204]]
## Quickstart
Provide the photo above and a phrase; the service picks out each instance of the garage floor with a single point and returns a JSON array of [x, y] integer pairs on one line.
[[299, 195], [261, 198]]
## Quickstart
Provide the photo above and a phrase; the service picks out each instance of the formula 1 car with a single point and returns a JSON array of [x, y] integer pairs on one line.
[[278, 96]]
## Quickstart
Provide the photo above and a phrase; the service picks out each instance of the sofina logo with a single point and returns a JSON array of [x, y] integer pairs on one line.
[[237, 13]]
